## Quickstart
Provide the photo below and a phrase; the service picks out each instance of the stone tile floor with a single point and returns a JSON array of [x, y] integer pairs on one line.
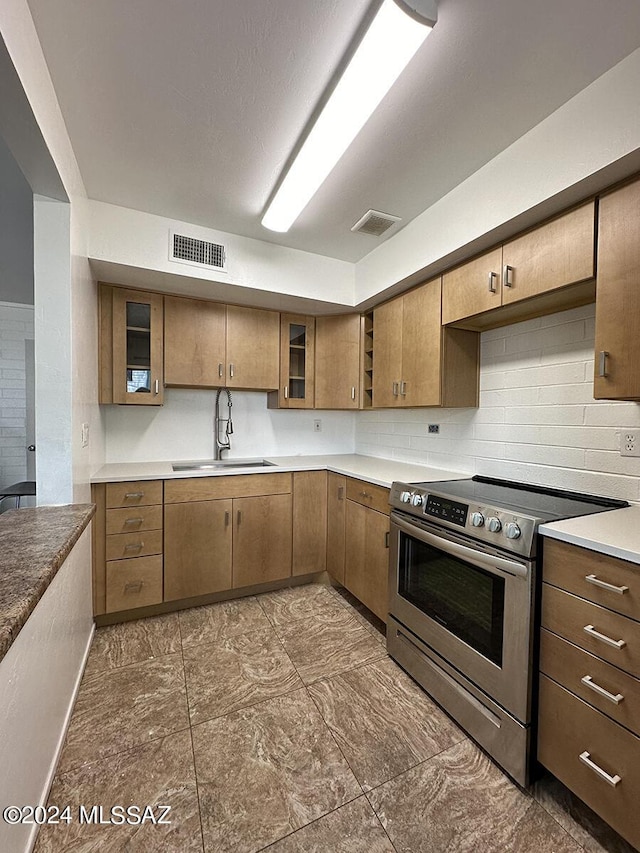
[[279, 722]]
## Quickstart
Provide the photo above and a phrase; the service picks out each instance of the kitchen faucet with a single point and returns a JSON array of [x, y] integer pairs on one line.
[[225, 443]]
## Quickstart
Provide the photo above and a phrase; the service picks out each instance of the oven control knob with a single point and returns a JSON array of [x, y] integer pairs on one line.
[[512, 530], [477, 519], [417, 500], [494, 524], [405, 497]]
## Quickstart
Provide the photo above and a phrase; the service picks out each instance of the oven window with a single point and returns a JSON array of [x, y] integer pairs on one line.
[[466, 600]]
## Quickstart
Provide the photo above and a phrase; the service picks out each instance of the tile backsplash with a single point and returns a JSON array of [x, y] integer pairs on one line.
[[16, 333], [537, 421]]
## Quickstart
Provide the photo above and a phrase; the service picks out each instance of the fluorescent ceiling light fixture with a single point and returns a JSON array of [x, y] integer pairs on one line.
[[393, 37]]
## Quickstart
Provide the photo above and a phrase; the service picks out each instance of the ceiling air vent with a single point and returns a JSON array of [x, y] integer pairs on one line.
[[374, 222], [199, 253]]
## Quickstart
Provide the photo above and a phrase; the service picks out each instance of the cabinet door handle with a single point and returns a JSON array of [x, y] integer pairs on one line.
[[231, 370], [590, 683], [353, 392], [239, 517], [133, 495], [616, 644], [595, 580], [227, 518], [492, 278], [285, 391], [156, 387], [220, 370], [403, 389], [394, 386], [340, 493], [602, 363], [585, 757], [133, 586], [386, 539], [507, 279]]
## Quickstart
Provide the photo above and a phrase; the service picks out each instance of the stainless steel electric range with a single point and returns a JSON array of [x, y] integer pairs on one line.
[[463, 600]]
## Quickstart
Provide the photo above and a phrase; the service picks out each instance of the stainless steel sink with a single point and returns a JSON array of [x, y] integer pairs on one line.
[[218, 464]]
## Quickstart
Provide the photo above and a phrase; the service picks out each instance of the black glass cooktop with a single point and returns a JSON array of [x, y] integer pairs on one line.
[[523, 499]]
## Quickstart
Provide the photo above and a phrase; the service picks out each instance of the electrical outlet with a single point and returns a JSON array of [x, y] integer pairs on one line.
[[317, 425], [433, 428], [630, 444]]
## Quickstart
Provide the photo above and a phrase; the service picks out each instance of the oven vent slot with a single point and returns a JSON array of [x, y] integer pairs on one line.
[[198, 253]]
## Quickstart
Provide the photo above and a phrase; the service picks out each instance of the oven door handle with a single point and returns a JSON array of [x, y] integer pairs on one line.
[[489, 562]]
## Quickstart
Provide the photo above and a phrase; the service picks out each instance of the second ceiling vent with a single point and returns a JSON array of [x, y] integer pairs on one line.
[[375, 222]]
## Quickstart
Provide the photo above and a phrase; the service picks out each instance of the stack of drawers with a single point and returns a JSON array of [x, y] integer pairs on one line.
[[589, 716], [133, 544]]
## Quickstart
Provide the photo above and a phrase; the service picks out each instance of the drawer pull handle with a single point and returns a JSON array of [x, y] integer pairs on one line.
[[610, 780], [134, 495], [595, 580], [134, 521], [591, 631], [133, 586], [134, 546], [590, 683]]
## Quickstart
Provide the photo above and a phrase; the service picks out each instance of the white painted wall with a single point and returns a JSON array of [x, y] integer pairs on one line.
[[141, 240], [39, 677], [537, 421], [16, 329], [16, 232], [70, 306], [596, 128], [183, 429]]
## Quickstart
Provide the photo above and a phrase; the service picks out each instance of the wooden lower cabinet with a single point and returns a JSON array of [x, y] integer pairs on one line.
[[336, 525], [198, 541], [582, 748], [261, 539], [367, 557], [309, 522], [588, 723], [217, 545]]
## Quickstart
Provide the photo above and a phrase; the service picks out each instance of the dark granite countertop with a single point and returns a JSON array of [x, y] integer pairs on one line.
[[34, 543]]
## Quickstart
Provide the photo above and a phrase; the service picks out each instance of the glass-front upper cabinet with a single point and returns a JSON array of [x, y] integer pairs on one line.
[[297, 349], [137, 347]]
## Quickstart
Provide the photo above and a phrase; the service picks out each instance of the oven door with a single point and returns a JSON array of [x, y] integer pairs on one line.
[[471, 605]]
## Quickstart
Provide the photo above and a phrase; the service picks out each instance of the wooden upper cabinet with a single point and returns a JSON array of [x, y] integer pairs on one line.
[[557, 254], [472, 288], [415, 361], [297, 363], [131, 338], [253, 348], [617, 355], [387, 353], [338, 362], [539, 266], [194, 342], [421, 346]]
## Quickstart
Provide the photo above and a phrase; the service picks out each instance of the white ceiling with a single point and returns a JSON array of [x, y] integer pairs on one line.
[[190, 108]]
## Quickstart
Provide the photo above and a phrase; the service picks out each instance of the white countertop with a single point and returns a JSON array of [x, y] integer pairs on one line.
[[616, 532], [373, 469]]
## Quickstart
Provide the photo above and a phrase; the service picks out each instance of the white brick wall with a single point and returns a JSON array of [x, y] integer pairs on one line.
[[537, 421], [16, 327]]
